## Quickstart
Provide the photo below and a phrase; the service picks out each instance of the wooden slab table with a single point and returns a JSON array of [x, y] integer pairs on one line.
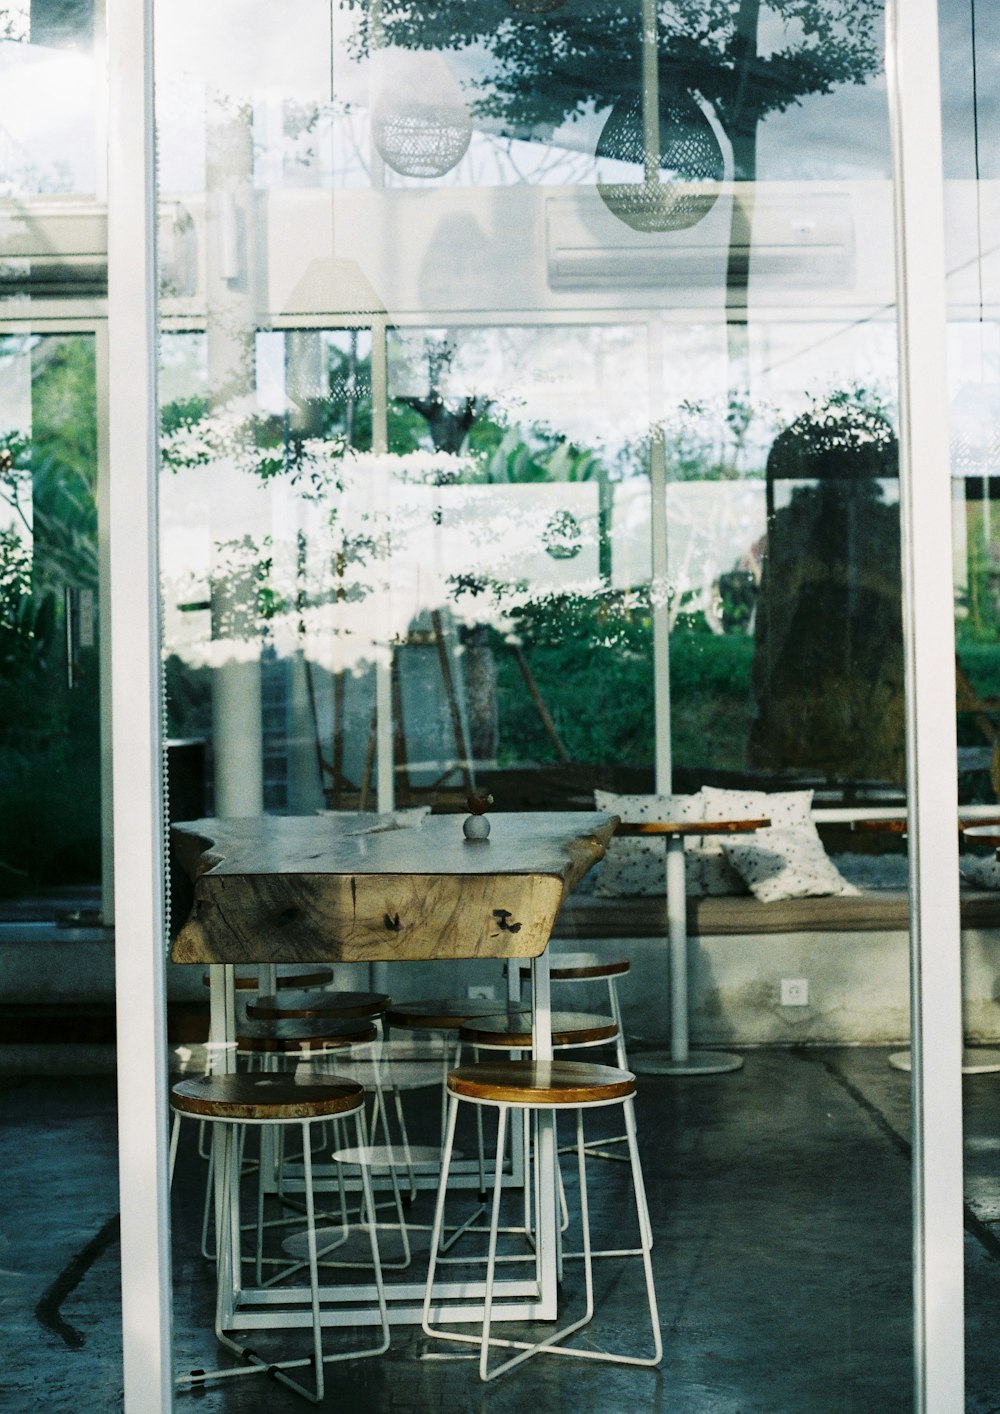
[[353, 888], [681, 1060]]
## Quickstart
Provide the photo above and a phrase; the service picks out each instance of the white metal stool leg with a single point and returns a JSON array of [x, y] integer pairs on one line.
[[552, 1343], [230, 1262]]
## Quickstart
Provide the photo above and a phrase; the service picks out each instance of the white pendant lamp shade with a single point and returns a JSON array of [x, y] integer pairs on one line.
[[683, 185], [421, 125]]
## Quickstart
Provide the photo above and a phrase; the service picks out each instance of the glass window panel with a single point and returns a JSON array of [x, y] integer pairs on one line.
[[969, 35], [529, 416], [48, 98]]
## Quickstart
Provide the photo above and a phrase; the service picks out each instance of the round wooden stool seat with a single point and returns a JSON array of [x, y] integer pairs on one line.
[[304, 1035], [543, 1083], [278, 1096], [287, 977], [445, 1014], [581, 966], [318, 1004], [513, 1032]]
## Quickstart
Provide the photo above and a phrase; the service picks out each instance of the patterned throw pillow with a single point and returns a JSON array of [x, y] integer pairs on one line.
[[785, 860], [782, 863], [785, 809], [636, 867]]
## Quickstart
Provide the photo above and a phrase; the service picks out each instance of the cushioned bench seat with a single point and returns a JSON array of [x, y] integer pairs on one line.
[[875, 911]]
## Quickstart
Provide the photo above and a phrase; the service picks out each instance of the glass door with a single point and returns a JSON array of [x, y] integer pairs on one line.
[[530, 405]]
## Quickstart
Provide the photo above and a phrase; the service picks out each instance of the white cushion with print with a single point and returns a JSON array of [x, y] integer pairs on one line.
[[635, 866], [783, 860], [786, 809], [785, 863]]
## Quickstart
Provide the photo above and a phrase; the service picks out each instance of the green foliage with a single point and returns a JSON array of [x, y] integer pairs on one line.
[[247, 600], [711, 706], [592, 660], [703, 442], [49, 732], [189, 698]]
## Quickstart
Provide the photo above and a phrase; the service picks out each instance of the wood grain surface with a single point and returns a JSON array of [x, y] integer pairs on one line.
[[345, 888], [514, 1031], [280, 1095], [528, 1082]]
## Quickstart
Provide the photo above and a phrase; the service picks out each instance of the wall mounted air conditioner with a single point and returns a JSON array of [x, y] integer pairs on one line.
[[802, 239], [52, 249]]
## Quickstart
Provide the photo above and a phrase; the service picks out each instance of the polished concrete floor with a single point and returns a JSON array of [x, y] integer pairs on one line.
[[780, 1200]]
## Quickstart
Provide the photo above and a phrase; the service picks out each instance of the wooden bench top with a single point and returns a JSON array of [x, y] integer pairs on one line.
[[587, 917]]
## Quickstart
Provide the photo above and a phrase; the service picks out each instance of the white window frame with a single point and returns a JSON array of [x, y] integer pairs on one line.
[[140, 962]]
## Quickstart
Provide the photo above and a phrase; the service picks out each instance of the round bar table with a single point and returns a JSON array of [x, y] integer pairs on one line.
[[680, 1059], [976, 1060]]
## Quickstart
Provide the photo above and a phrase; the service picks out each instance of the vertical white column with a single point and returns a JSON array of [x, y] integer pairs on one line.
[[660, 607], [104, 620], [385, 776], [237, 728], [385, 789], [139, 954], [928, 614]]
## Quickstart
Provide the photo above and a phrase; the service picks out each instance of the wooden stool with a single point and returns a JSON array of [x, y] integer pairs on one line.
[[591, 967], [235, 1101], [531, 1086], [266, 1045], [297, 1038], [442, 1017], [446, 1014], [588, 967], [513, 1031], [325, 1006], [318, 1005], [570, 1030], [287, 977]]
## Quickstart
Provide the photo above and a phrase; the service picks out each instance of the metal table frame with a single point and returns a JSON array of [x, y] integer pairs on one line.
[[516, 1298]]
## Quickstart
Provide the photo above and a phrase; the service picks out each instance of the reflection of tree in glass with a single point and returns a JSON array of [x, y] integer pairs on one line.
[[449, 420], [47, 498], [552, 67], [828, 654]]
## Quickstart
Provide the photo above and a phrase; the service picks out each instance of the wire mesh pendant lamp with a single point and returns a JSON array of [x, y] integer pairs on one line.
[[421, 125], [682, 186], [667, 135]]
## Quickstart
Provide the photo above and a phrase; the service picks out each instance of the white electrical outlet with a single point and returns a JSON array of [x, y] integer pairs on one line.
[[794, 991], [481, 993]]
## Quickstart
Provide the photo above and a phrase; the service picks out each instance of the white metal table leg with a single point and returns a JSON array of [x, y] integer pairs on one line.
[[680, 1060], [548, 1236]]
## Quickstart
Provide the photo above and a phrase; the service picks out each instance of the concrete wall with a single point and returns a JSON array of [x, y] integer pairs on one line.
[[858, 983]]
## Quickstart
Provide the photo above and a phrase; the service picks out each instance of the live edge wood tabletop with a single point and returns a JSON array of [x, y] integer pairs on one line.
[[349, 888]]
